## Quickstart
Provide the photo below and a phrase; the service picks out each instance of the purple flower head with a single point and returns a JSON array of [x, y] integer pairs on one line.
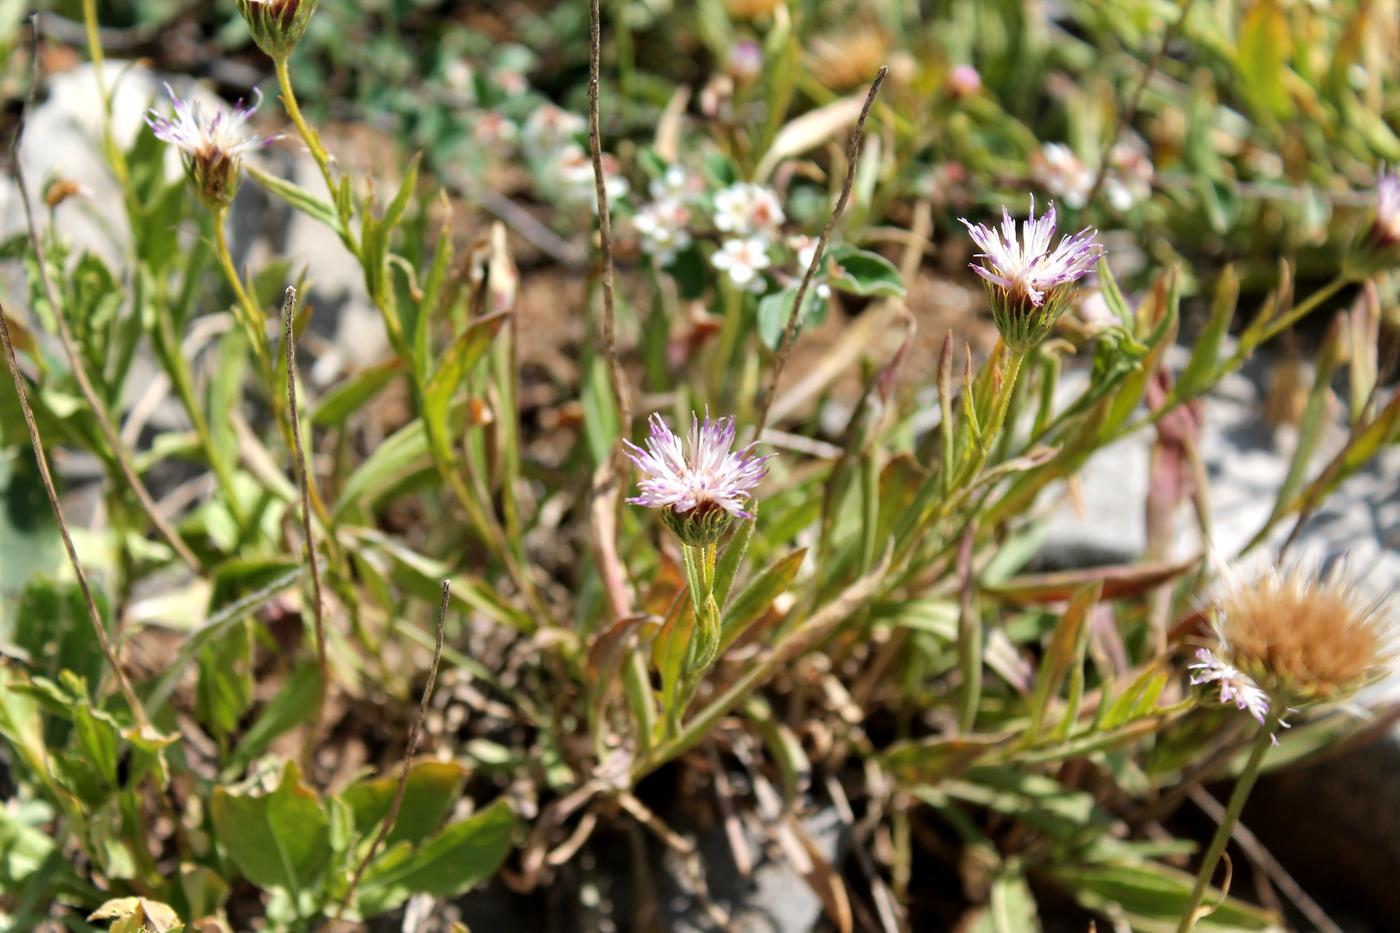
[[212, 145], [1028, 280], [703, 482], [1236, 686]]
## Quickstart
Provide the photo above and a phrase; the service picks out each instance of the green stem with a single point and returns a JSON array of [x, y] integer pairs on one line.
[[1227, 823], [246, 308], [304, 130], [933, 503]]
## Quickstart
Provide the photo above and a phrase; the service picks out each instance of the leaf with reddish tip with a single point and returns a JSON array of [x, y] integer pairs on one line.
[[1118, 581]]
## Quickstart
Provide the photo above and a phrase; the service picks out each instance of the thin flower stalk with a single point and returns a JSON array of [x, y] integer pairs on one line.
[[1243, 785]]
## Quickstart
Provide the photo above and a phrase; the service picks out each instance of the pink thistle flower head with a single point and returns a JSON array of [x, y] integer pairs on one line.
[[211, 145], [1235, 685], [1386, 225], [277, 25], [1029, 278], [1376, 247], [700, 485]]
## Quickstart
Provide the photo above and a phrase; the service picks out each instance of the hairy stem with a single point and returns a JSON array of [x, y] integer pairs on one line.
[[304, 130]]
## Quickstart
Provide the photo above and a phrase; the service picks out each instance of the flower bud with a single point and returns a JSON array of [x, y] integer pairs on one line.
[[277, 25]]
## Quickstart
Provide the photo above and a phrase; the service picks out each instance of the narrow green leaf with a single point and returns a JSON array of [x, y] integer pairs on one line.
[[295, 196], [457, 363], [1066, 645], [1205, 356], [758, 596], [293, 704], [384, 469], [352, 394]]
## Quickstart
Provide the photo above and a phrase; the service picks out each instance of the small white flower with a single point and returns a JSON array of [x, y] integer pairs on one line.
[[676, 183], [742, 260], [663, 227], [806, 249], [574, 169], [1060, 172], [548, 128], [1129, 178], [492, 129], [746, 209]]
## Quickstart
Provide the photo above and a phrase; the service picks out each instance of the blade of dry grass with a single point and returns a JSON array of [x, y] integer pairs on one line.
[[289, 306], [790, 331], [138, 712], [413, 733]]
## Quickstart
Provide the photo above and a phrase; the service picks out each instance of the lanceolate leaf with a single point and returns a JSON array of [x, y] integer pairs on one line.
[[758, 596]]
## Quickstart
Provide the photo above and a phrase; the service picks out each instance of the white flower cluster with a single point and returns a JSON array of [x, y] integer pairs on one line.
[[664, 222], [550, 140], [750, 217], [1061, 173]]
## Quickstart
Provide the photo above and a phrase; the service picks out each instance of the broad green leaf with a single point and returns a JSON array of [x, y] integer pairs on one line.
[[279, 839], [861, 272], [137, 915], [53, 630], [224, 690], [433, 788], [755, 599], [774, 310], [459, 857], [1265, 46]]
